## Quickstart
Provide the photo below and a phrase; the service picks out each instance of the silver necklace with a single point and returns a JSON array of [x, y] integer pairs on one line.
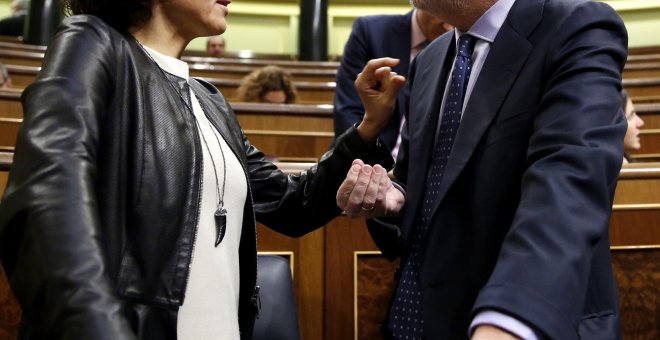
[[220, 215]]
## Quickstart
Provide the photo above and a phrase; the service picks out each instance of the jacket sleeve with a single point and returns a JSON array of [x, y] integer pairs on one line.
[[49, 238], [574, 157], [297, 204], [386, 232], [348, 108]]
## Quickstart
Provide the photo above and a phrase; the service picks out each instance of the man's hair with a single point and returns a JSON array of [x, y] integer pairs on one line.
[[120, 14]]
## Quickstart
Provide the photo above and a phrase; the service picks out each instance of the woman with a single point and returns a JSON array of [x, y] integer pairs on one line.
[[635, 123], [270, 84], [130, 209]]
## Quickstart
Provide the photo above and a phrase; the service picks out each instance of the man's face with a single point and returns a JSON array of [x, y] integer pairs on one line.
[[216, 47]]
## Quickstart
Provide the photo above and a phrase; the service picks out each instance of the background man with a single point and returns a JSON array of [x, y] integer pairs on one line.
[[377, 36], [215, 46], [13, 26], [510, 161]]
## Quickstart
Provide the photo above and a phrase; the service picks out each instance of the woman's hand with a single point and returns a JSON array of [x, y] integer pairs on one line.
[[368, 192], [378, 87]]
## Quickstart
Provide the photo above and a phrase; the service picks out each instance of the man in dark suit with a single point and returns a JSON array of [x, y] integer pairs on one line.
[[512, 240], [14, 25], [377, 36]]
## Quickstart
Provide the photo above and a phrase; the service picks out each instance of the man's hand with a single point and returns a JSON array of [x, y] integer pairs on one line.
[[368, 192], [378, 87], [488, 332]]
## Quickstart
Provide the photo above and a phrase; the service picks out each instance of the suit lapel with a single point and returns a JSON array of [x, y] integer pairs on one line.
[[507, 56], [426, 96]]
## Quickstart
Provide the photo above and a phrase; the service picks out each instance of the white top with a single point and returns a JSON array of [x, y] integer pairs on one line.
[[210, 307]]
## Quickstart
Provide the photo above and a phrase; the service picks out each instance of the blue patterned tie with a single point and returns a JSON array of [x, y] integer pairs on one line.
[[406, 319]]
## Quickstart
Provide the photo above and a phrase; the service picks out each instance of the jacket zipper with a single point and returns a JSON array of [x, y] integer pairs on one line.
[[255, 298], [199, 206]]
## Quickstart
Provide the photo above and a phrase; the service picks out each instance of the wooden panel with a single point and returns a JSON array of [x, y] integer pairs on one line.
[[638, 184], [650, 113], [10, 311], [19, 46], [310, 145], [637, 273], [649, 99], [344, 237], [10, 104], [635, 226], [21, 58], [286, 123], [307, 274], [649, 140], [374, 285], [9, 131], [642, 87], [643, 58], [641, 71], [643, 50]]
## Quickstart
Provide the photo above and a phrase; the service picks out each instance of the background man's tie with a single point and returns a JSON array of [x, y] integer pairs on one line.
[[406, 316]]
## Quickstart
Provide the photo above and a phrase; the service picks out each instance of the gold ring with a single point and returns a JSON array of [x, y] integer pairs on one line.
[[367, 209]]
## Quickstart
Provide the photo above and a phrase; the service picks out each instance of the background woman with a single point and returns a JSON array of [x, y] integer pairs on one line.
[[131, 206], [631, 141], [270, 84]]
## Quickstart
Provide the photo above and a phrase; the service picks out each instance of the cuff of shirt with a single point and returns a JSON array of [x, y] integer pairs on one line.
[[503, 321]]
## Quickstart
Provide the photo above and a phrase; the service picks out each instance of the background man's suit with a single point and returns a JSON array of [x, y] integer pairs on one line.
[[372, 37], [13, 26], [521, 222]]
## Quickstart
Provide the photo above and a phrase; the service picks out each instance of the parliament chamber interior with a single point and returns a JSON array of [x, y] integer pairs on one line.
[[342, 283]]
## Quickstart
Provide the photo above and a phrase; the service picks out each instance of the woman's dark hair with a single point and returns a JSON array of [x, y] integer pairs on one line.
[[624, 100], [261, 81], [120, 14]]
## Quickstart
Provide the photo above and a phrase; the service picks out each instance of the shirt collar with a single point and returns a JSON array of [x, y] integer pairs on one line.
[[169, 64], [489, 24], [416, 37]]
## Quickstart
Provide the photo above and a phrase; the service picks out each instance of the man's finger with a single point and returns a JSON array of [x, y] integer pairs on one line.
[[371, 194], [346, 188], [369, 72], [356, 198]]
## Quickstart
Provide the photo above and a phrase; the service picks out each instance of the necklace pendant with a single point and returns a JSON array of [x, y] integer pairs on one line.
[[220, 225]]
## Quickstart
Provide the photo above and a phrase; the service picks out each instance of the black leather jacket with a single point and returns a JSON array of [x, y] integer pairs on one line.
[[100, 213]]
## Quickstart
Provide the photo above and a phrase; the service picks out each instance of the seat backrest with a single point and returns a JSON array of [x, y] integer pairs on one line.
[[278, 317]]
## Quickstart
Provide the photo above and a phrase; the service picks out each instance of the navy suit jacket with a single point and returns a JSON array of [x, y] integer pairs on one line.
[[521, 222], [372, 37]]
